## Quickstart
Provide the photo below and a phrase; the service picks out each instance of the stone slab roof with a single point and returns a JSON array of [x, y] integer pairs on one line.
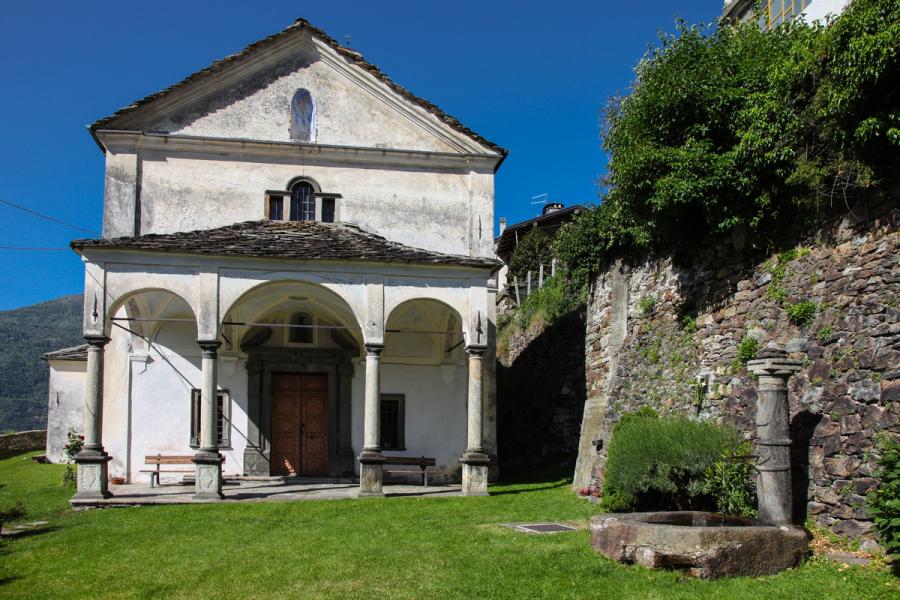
[[297, 240], [74, 353], [352, 56]]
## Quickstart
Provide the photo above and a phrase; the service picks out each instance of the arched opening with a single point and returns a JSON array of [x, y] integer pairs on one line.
[[300, 341], [152, 377], [303, 117], [423, 382]]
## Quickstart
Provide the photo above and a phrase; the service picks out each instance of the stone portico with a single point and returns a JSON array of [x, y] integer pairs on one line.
[[229, 297]]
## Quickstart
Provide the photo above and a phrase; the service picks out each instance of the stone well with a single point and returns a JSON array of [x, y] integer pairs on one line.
[[702, 544]]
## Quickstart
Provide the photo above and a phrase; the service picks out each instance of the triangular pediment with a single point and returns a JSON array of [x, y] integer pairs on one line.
[[248, 96]]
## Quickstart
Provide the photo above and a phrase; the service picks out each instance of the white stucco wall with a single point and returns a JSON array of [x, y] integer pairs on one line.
[[65, 410], [151, 413], [420, 208], [819, 10], [435, 411], [347, 113]]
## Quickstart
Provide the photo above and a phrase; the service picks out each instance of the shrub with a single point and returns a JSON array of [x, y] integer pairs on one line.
[[550, 302], [659, 463], [646, 305], [884, 502], [747, 349], [534, 249], [74, 444], [731, 481], [801, 313]]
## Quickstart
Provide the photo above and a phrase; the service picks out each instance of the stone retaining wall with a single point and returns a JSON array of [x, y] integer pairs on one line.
[[540, 395], [24, 440], [666, 334]]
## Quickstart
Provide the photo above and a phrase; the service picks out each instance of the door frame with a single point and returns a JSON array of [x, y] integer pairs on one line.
[[337, 364]]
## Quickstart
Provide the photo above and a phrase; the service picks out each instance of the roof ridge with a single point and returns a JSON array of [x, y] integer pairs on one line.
[[352, 55]]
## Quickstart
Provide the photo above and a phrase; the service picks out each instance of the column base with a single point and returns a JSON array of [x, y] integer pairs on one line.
[[475, 473], [93, 475], [256, 463], [208, 477], [371, 473]]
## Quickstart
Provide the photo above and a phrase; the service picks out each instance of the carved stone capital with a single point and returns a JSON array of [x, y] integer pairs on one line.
[[210, 348], [374, 349], [96, 342], [476, 351]]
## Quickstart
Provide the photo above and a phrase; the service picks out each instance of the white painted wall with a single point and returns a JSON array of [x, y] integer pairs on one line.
[[347, 113], [65, 410], [435, 412], [161, 403], [425, 209], [819, 10]]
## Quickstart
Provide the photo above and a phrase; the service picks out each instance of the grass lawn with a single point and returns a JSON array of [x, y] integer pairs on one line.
[[369, 548]]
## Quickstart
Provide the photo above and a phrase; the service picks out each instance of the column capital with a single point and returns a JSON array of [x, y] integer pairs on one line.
[[774, 362], [209, 346], [374, 349], [476, 350], [96, 341]]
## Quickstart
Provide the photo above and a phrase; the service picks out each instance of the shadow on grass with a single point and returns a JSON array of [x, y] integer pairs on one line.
[[26, 533], [525, 490], [4, 454], [534, 479]]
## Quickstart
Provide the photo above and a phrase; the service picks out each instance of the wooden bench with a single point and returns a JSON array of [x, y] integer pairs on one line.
[[160, 459], [421, 462]]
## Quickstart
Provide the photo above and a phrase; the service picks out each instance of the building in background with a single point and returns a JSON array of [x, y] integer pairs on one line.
[[772, 13]]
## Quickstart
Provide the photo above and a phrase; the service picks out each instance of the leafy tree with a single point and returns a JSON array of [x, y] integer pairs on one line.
[[744, 129], [534, 249]]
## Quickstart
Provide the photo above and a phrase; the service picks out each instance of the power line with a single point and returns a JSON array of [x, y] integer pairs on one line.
[[30, 248], [37, 214]]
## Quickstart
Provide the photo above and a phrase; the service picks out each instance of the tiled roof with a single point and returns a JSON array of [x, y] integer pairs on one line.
[[297, 240], [351, 55], [75, 353]]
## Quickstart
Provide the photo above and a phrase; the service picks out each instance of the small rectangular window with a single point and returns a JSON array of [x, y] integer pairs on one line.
[[301, 330], [276, 208], [328, 210], [223, 419], [393, 422]]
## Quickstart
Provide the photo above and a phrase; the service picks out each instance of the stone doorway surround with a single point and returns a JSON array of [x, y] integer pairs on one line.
[[262, 362]]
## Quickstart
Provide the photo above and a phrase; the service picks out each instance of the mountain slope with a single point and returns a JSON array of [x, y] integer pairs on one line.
[[25, 334]]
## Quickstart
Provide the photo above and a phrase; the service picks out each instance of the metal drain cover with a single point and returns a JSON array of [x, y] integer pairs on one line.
[[544, 528]]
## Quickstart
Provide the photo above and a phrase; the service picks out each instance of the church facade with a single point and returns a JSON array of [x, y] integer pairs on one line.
[[296, 277]]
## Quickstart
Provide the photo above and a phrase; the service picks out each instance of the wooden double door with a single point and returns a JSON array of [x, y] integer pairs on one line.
[[299, 424]]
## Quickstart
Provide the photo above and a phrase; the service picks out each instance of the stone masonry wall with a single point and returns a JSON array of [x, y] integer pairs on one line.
[[540, 395], [666, 334], [23, 440]]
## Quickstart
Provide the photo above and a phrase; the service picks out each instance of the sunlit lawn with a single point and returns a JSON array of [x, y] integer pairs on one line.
[[371, 548]]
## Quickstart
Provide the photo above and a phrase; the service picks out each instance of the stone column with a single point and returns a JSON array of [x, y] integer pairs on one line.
[[93, 481], [371, 460], [208, 461], [474, 460], [773, 445]]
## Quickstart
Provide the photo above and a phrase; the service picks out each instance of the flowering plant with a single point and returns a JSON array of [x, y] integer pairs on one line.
[[590, 490]]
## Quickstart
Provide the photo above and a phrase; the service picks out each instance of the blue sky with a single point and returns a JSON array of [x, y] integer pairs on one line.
[[530, 76]]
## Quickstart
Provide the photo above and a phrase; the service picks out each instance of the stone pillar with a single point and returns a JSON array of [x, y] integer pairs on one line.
[[474, 460], [371, 460], [93, 481], [773, 445], [208, 461]]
